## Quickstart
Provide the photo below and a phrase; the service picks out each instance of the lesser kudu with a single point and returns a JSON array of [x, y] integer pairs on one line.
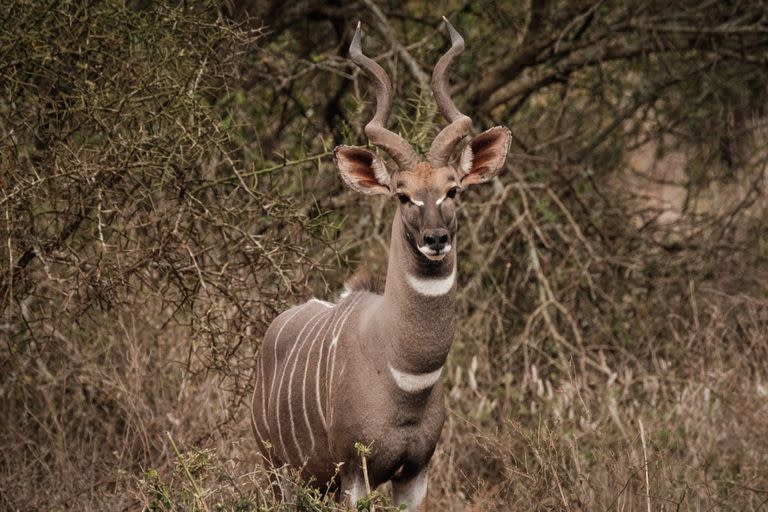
[[367, 368]]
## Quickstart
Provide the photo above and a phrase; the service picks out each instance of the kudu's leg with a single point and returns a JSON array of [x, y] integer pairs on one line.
[[352, 488], [411, 491]]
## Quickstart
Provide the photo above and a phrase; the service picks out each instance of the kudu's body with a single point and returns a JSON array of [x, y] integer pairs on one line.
[[367, 369]]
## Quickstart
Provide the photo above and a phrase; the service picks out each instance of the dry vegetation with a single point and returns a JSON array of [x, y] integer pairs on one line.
[[166, 189]]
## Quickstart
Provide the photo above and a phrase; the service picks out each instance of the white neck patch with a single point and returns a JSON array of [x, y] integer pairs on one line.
[[413, 383], [432, 287]]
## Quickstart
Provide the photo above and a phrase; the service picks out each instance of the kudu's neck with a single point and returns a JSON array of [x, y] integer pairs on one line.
[[419, 310]]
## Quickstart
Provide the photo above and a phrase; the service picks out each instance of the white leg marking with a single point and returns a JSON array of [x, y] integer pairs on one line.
[[280, 387], [290, 403], [413, 383], [410, 493], [432, 287], [304, 384], [355, 491]]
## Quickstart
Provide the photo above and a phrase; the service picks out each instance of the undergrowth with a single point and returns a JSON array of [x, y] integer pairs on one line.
[[166, 189]]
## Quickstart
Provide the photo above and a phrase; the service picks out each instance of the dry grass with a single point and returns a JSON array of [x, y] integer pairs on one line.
[[160, 207]]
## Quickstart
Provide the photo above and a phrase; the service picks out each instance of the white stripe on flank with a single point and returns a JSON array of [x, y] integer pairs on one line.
[[289, 401], [338, 315], [342, 317], [323, 302], [256, 388], [432, 287], [263, 390], [304, 384], [329, 380], [280, 387], [274, 361], [412, 382]]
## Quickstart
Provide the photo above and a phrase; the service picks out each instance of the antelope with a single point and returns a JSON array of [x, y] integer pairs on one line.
[[367, 368]]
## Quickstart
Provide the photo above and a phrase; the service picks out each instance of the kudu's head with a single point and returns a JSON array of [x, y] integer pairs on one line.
[[424, 190]]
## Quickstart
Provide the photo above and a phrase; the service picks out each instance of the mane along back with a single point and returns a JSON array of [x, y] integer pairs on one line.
[[364, 280]]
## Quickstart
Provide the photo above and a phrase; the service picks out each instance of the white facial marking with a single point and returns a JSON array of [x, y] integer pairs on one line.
[[432, 287], [433, 254], [414, 383], [440, 201], [410, 493], [417, 202]]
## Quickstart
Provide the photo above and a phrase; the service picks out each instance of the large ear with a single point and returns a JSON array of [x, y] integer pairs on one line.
[[361, 170], [484, 156]]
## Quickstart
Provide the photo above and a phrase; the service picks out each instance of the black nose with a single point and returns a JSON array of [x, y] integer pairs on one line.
[[436, 239]]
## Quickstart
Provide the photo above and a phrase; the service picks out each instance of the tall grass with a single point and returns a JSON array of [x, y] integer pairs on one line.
[[162, 202]]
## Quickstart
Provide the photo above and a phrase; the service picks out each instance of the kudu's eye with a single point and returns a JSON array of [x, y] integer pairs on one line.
[[404, 199], [451, 194]]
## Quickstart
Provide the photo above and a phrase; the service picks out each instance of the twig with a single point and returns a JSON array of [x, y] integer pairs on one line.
[[265, 170], [363, 451], [195, 487], [389, 34], [645, 465]]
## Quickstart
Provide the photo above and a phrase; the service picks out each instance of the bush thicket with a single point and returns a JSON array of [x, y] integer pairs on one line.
[[167, 188]]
